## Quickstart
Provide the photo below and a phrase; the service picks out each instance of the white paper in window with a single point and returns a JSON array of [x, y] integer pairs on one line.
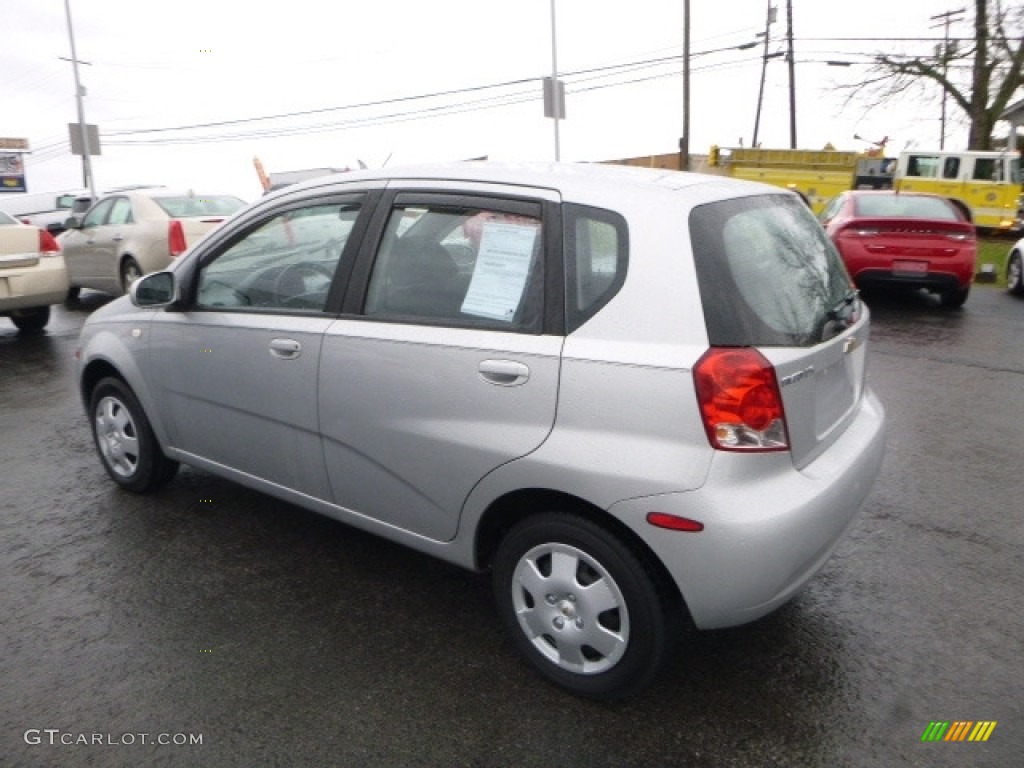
[[502, 266]]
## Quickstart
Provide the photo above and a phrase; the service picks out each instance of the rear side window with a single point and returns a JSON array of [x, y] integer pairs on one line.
[[198, 205], [768, 274], [597, 251], [458, 263]]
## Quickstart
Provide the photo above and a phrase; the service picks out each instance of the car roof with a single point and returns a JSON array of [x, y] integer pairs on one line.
[[568, 178]]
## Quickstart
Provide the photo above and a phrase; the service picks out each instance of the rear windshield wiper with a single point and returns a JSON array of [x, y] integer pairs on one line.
[[841, 306]]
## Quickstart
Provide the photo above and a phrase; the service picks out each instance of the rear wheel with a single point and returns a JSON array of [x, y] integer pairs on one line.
[[581, 605], [130, 272], [124, 439], [954, 298], [1015, 275], [31, 320]]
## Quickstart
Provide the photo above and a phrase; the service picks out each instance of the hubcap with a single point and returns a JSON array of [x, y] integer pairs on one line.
[[1014, 272], [117, 437], [570, 609]]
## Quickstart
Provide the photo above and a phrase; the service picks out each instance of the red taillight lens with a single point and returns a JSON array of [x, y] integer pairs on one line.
[[48, 245], [740, 401], [176, 238]]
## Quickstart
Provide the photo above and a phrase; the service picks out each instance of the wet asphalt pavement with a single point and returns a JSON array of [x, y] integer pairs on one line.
[[211, 613]]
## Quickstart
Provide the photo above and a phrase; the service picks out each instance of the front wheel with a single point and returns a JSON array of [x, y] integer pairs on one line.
[[124, 439], [581, 605], [1015, 275]]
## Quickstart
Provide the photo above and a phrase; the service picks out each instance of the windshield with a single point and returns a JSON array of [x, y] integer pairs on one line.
[[768, 274]]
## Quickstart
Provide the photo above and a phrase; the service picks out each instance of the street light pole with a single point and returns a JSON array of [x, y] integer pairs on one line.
[[87, 179]]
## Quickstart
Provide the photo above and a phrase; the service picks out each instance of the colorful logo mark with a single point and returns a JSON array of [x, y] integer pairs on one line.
[[958, 730]]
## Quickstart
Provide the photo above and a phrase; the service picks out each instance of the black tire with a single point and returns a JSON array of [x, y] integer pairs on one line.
[[955, 298], [73, 293], [124, 439], [130, 272], [31, 320], [1015, 275], [584, 586]]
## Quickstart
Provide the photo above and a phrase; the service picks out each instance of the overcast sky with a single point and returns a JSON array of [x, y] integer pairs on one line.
[[357, 72]]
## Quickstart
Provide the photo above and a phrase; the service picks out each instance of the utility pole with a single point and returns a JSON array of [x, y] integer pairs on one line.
[[87, 178], [947, 19], [769, 20], [555, 85], [792, 75], [684, 141]]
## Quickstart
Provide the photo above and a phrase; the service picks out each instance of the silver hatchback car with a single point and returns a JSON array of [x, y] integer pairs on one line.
[[636, 397]]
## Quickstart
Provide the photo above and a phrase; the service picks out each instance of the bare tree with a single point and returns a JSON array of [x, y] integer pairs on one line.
[[995, 58]]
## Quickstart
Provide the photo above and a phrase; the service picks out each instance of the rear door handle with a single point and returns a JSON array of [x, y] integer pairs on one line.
[[286, 349], [504, 373]]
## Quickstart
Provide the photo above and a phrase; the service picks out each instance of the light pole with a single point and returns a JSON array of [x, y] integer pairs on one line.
[[87, 178]]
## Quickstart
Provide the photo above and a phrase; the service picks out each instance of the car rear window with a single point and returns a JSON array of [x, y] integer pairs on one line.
[[768, 274], [904, 207], [198, 205]]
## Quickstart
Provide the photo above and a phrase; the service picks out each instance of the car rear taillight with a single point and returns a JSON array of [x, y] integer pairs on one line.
[[176, 238], [48, 245], [740, 402]]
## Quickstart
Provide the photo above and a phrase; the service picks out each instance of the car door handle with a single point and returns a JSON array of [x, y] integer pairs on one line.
[[117, 238], [286, 349], [504, 373]]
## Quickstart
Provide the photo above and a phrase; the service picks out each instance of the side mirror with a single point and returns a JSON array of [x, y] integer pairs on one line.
[[158, 289], [72, 222]]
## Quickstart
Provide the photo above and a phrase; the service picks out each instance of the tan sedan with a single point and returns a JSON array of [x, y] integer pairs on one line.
[[32, 273], [129, 234]]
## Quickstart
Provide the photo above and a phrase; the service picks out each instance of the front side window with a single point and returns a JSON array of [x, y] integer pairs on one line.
[[768, 274], [460, 264], [98, 214], [286, 263], [926, 166], [951, 168]]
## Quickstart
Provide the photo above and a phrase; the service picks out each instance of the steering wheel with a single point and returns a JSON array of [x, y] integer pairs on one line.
[[298, 272]]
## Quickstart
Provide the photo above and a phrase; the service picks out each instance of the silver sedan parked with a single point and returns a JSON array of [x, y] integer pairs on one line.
[[131, 233], [636, 397]]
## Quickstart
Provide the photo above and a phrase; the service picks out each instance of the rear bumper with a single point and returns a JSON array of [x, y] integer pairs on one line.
[[933, 281], [768, 527], [40, 285]]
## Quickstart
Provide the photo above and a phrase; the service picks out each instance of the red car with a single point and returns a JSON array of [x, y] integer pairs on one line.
[[917, 240]]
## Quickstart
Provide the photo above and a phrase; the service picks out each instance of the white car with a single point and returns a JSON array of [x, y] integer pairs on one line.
[[32, 274], [132, 233]]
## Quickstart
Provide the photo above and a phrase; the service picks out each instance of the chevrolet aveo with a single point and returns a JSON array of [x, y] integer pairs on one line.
[[637, 398]]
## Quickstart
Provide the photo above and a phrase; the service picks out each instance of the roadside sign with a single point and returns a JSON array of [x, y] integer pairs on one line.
[[12, 173]]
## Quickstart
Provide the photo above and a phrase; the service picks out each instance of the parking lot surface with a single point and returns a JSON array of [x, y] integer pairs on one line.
[[211, 625]]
